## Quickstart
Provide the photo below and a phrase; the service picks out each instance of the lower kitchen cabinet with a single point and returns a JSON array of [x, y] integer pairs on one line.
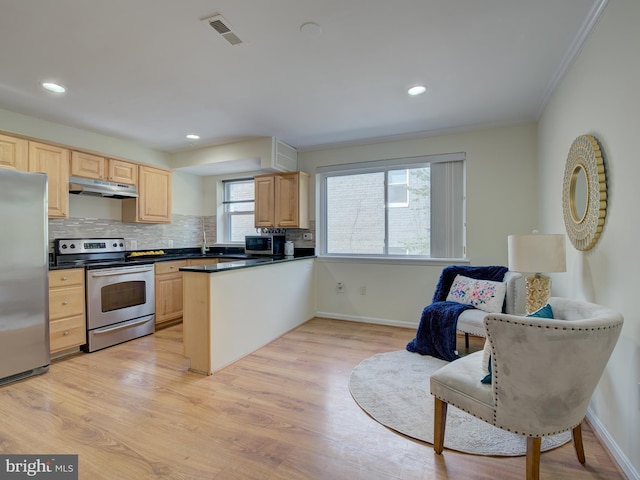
[[67, 318], [169, 292], [169, 289]]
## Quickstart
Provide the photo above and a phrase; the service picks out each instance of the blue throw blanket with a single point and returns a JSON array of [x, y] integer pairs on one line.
[[436, 335]]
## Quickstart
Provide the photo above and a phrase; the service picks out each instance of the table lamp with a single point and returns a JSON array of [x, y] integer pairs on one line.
[[537, 253]]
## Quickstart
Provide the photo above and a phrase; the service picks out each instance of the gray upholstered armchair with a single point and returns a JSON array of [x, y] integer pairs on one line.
[[543, 374]]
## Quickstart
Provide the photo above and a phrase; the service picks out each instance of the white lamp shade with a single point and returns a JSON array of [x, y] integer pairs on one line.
[[537, 253]]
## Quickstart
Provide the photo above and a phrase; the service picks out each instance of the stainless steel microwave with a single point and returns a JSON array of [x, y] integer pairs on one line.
[[264, 244]]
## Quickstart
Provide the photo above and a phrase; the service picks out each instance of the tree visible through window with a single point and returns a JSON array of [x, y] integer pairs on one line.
[[239, 208], [406, 207]]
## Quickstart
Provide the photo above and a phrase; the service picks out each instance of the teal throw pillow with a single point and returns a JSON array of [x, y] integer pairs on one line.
[[543, 312], [487, 378]]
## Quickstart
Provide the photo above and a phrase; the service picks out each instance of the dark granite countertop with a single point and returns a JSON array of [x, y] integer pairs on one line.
[[230, 254], [240, 263]]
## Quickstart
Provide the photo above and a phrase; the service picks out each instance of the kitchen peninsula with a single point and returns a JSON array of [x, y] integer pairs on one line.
[[233, 308]]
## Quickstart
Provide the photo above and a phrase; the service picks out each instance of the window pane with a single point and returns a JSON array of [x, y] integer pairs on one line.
[[410, 226], [241, 225], [241, 207], [241, 190], [355, 213]]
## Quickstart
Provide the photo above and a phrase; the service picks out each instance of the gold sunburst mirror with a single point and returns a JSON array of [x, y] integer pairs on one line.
[[584, 192]]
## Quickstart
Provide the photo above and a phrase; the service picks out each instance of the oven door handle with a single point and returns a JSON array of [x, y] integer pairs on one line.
[[120, 327], [117, 271]]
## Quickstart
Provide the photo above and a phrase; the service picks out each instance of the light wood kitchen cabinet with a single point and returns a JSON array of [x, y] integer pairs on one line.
[[201, 261], [153, 204], [168, 292], [265, 196], [67, 319], [282, 200], [14, 153], [169, 289], [87, 165], [122, 172], [54, 161]]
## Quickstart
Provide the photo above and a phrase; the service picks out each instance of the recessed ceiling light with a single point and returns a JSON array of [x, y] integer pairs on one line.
[[191, 136], [53, 87], [417, 90], [311, 29]]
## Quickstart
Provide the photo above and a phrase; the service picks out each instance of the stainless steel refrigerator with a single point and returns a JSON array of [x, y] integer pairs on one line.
[[24, 283]]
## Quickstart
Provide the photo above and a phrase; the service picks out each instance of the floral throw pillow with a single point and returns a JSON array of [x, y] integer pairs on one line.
[[482, 294]]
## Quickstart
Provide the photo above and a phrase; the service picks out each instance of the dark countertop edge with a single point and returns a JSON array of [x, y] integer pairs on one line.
[[187, 256], [240, 264]]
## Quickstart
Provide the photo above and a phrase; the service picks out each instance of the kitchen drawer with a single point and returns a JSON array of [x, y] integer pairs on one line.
[[66, 301], [202, 261], [63, 278], [169, 267], [67, 333]]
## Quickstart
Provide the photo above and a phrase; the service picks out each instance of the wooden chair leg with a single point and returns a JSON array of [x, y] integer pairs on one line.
[[577, 442], [466, 341], [533, 458], [439, 424]]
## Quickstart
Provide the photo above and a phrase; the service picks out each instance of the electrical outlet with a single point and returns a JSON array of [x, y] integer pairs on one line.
[[134, 244], [170, 243], [363, 290], [307, 236], [339, 287]]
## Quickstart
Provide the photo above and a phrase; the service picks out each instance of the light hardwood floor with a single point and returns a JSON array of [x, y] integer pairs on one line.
[[133, 411]]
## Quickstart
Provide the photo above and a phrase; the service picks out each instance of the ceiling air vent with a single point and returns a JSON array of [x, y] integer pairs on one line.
[[220, 25]]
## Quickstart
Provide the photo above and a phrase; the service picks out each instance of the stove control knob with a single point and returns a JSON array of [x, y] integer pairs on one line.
[[72, 245], [63, 246], [115, 245]]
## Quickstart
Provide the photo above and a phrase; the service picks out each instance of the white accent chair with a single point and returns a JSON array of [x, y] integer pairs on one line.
[[544, 372], [470, 321]]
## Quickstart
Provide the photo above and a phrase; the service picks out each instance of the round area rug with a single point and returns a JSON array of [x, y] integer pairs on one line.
[[393, 388]]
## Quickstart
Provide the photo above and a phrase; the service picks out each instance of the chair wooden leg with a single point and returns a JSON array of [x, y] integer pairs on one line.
[[533, 458], [439, 424], [466, 341], [577, 442]]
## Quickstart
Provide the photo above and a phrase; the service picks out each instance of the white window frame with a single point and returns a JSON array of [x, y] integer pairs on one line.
[[448, 223], [225, 209]]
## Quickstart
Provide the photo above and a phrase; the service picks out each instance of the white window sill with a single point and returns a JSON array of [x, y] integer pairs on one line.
[[392, 260]]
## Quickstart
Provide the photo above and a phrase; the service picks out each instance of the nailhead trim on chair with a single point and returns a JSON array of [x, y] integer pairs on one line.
[[504, 428], [494, 376]]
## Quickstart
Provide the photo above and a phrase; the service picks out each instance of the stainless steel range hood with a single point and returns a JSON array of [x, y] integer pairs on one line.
[[101, 188]]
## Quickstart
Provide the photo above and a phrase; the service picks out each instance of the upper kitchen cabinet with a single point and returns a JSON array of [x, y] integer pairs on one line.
[[88, 165], [282, 200], [122, 172], [14, 153], [54, 161], [153, 204]]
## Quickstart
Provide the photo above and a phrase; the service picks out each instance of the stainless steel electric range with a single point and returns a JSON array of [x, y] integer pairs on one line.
[[120, 296]]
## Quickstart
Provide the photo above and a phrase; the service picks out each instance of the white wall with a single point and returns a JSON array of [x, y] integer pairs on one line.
[[501, 191], [187, 189], [599, 96]]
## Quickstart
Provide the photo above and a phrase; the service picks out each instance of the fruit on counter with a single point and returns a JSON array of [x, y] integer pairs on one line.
[[148, 252]]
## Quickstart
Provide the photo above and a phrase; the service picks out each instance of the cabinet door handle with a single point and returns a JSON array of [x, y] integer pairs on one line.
[[65, 303], [66, 332], [64, 279]]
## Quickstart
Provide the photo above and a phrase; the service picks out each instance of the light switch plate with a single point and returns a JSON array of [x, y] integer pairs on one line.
[[307, 236]]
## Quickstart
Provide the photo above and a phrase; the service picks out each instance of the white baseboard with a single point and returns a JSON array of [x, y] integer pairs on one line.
[[608, 442], [378, 321]]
